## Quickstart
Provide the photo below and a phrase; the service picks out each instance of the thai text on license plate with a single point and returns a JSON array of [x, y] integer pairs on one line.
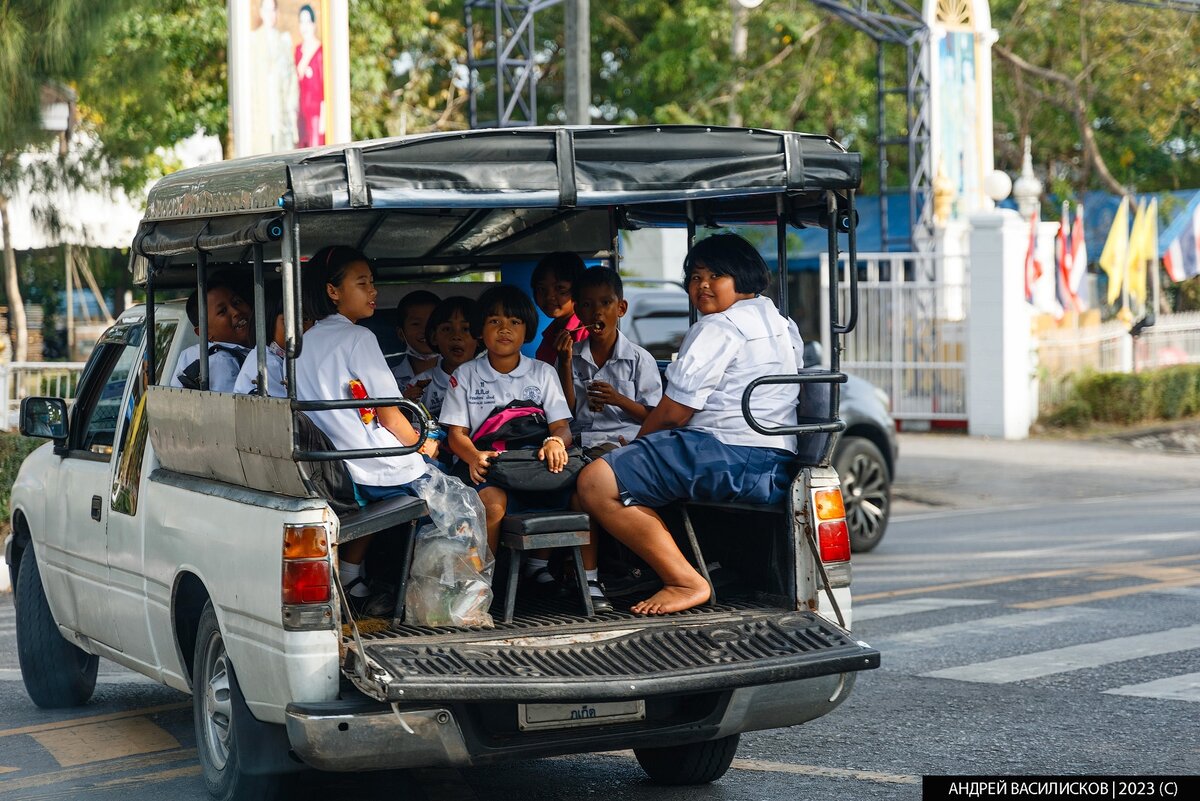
[[565, 716]]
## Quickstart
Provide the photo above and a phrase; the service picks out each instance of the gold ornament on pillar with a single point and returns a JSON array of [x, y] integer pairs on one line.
[[943, 196]]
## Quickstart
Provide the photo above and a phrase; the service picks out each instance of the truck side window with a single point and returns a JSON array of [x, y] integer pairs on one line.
[[104, 410], [132, 449]]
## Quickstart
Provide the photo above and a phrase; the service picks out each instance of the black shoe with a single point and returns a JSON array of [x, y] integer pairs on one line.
[[634, 581], [380, 602], [534, 585], [600, 603]]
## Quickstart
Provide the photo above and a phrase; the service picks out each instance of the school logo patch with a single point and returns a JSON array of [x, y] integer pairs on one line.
[[532, 393]]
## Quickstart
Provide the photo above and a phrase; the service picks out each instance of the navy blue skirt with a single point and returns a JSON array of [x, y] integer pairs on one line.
[[691, 464]]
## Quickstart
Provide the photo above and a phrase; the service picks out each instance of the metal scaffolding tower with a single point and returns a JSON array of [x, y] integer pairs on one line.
[[509, 67]]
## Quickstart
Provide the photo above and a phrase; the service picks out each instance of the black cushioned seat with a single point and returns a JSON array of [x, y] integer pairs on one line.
[[544, 522], [535, 530], [379, 516]]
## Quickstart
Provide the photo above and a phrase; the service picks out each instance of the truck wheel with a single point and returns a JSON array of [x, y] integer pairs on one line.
[[694, 763], [57, 673], [866, 491], [216, 703]]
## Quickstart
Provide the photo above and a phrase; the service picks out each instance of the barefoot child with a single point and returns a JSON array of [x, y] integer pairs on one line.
[[696, 445], [505, 320]]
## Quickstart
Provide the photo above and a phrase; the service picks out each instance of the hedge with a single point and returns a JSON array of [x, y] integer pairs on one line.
[[13, 450], [1168, 393]]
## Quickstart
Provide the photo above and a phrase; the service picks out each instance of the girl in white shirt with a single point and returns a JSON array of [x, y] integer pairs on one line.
[[696, 445]]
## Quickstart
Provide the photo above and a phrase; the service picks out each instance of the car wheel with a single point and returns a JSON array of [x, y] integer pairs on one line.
[[694, 763], [217, 704], [57, 673], [866, 491]]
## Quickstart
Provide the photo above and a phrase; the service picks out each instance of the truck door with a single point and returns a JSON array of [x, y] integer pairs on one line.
[[126, 528], [75, 556]]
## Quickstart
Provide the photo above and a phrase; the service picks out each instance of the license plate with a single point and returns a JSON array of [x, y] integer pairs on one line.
[[569, 716]]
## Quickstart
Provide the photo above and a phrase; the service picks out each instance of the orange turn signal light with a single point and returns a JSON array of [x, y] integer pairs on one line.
[[829, 505], [305, 542]]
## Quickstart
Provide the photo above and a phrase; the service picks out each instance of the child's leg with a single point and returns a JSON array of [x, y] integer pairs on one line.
[[350, 559], [495, 504]]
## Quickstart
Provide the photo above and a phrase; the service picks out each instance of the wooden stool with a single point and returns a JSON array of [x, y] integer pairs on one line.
[[536, 530]]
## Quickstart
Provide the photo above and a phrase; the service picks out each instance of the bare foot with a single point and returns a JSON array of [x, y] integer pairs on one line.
[[672, 599]]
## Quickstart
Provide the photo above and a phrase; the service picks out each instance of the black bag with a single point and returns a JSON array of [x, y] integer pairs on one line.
[[521, 470], [190, 377], [330, 480]]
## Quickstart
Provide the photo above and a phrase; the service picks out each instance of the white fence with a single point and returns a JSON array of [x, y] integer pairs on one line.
[[911, 337], [28, 379]]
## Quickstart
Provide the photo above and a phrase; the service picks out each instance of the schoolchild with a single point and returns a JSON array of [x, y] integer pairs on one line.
[[449, 332], [552, 280], [247, 380], [412, 316], [614, 382], [505, 320], [695, 444], [230, 337], [337, 352]]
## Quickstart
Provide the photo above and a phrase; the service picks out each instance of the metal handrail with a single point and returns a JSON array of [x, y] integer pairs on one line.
[[829, 426]]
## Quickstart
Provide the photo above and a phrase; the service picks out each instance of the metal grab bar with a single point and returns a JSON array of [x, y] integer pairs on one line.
[[851, 264], [360, 453], [829, 426]]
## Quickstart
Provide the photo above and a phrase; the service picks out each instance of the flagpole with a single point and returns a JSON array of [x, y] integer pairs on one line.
[[1125, 278]]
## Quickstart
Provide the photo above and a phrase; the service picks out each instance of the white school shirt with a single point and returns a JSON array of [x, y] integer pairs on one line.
[[435, 390], [631, 371], [476, 389], [247, 380], [719, 357], [335, 351], [223, 367], [403, 372]]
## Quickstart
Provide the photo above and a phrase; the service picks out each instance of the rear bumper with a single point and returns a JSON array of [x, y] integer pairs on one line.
[[365, 735]]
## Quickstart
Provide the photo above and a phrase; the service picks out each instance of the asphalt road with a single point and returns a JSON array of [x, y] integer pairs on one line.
[[1035, 605]]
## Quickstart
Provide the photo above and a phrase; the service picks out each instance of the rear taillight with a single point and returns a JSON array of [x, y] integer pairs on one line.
[[833, 535], [307, 576]]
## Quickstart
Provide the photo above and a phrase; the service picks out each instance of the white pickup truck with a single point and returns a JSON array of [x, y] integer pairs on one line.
[[181, 532]]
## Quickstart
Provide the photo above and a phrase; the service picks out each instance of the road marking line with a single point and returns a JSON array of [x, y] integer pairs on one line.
[[911, 607], [443, 784], [1075, 657], [66, 724], [148, 778], [1103, 595], [7, 770], [124, 677], [111, 739], [898, 644], [97, 769], [830, 773], [1174, 688]]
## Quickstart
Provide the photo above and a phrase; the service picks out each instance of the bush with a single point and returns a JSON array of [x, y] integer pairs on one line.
[[1169, 393], [1115, 397], [13, 450], [1075, 413]]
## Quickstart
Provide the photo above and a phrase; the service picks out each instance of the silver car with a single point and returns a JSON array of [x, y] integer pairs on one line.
[[865, 455]]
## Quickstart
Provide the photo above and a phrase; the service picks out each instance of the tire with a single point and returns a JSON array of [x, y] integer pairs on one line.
[[217, 704], [57, 673], [866, 491], [694, 763]]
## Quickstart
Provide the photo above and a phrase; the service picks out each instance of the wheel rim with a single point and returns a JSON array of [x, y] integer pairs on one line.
[[865, 493], [216, 704]]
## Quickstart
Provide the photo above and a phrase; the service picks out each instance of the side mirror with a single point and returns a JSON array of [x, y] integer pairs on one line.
[[44, 417], [812, 354]]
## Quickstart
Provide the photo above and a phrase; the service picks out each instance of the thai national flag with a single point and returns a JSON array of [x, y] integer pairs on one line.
[[1033, 267], [1182, 257], [1062, 254], [1078, 262]]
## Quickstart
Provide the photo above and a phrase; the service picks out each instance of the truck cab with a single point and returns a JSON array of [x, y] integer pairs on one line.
[[186, 533]]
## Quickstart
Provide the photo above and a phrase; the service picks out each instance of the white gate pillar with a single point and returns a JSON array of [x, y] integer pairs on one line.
[[999, 341]]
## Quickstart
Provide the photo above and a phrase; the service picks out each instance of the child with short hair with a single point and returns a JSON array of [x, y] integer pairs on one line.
[[551, 282], [615, 382], [247, 380], [695, 444], [230, 337], [505, 320], [412, 317], [449, 333]]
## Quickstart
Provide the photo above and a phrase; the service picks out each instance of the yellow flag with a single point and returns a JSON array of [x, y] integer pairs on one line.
[[1135, 260], [1112, 259]]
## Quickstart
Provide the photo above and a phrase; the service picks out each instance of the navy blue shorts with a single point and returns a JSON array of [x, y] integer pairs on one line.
[[691, 464]]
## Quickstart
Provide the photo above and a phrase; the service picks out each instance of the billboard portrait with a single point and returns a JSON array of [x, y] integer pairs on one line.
[[285, 82]]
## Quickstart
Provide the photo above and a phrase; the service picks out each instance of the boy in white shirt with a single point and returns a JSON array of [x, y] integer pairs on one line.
[[449, 332], [247, 380], [412, 314], [230, 337], [696, 445], [613, 383]]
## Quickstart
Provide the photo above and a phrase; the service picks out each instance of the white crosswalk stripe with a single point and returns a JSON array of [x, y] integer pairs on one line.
[[1075, 657], [911, 606], [1173, 688]]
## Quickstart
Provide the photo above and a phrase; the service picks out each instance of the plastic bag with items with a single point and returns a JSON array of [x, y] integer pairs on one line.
[[450, 583]]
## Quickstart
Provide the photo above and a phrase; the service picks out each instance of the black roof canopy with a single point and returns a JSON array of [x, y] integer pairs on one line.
[[446, 202]]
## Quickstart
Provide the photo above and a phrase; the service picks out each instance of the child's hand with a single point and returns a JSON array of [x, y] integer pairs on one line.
[[479, 465], [430, 448], [565, 345], [601, 393], [413, 391], [554, 454]]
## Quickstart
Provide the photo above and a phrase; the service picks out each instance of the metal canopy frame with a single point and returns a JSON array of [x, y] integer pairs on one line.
[[894, 22], [512, 42]]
